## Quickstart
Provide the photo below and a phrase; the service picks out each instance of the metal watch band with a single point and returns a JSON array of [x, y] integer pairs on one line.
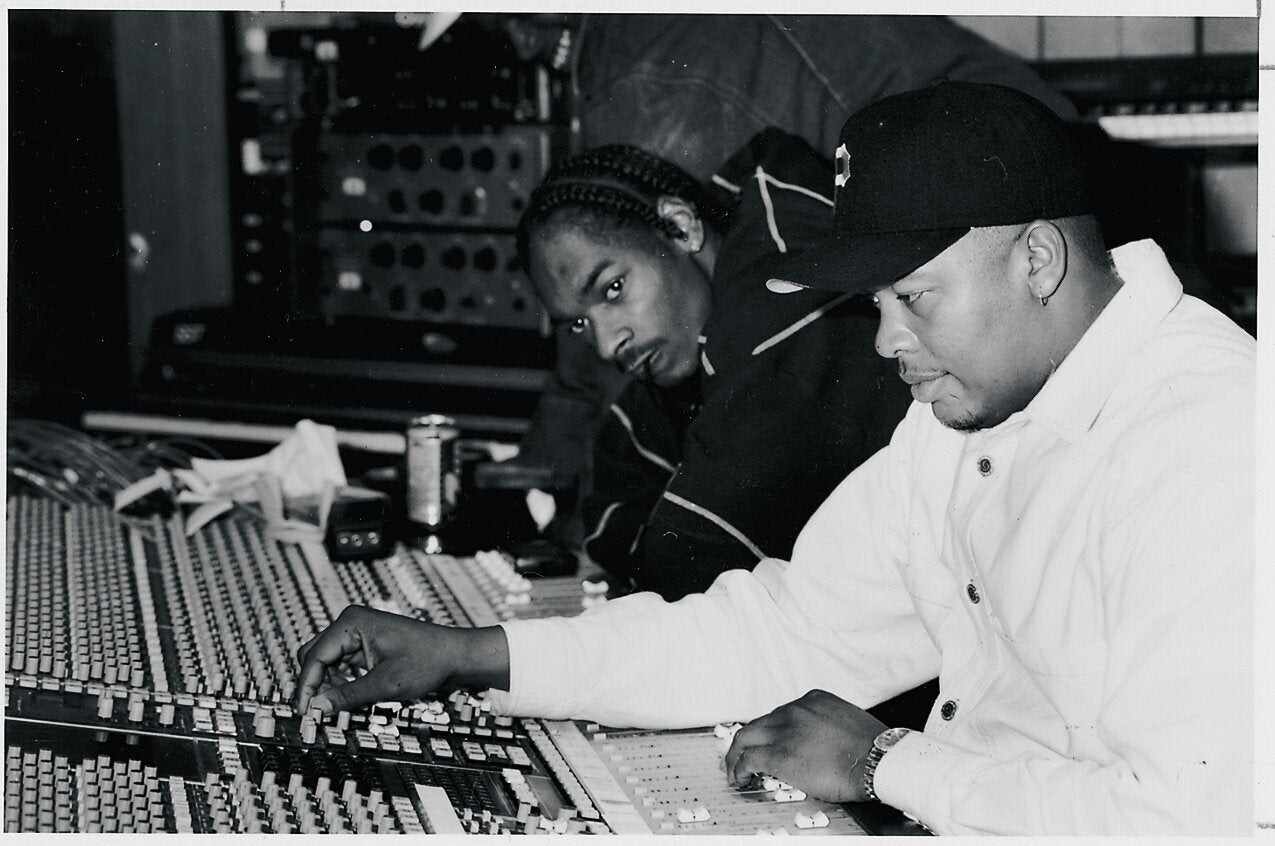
[[881, 744]]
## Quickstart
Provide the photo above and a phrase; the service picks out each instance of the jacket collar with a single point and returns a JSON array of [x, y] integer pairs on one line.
[[1076, 393]]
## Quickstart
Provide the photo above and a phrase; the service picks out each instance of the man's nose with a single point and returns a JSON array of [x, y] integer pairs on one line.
[[893, 336], [609, 337]]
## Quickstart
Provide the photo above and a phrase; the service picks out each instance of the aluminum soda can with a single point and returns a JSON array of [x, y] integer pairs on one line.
[[433, 469]]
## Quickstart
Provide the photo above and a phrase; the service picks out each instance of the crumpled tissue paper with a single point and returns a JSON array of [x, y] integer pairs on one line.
[[293, 484]]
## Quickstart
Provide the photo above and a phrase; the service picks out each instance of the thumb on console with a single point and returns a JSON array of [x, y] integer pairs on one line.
[[377, 685]]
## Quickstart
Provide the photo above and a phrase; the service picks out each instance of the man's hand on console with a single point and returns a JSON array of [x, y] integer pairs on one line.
[[818, 743], [404, 659]]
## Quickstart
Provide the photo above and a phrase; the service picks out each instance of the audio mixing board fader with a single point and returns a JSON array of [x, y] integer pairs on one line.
[[672, 782], [149, 678]]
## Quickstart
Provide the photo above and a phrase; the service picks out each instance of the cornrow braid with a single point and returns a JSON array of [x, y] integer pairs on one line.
[[620, 184]]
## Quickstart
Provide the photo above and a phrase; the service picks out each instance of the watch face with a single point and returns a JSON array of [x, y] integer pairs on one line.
[[889, 737]]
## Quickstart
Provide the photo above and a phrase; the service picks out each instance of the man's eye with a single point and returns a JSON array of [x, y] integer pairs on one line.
[[579, 325], [911, 298], [614, 289]]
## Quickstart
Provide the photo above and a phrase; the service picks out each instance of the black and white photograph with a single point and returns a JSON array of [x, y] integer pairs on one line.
[[746, 421]]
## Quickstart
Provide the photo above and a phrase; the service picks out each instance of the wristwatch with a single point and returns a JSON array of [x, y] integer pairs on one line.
[[881, 744]]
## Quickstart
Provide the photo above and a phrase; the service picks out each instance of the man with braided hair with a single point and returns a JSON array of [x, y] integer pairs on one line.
[[746, 410], [692, 89]]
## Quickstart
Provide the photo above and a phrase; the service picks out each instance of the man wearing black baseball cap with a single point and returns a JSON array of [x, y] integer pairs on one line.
[[1064, 537], [968, 163]]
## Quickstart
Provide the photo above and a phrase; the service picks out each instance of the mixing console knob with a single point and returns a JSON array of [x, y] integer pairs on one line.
[[817, 820], [264, 724], [167, 714], [136, 708], [105, 705]]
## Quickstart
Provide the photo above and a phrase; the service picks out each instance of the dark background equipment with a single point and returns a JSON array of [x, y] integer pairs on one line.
[[278, 215], [1176, 159], [377, 190]]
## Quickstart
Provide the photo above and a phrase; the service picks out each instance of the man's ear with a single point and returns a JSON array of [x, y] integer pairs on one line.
[[683, 216], [1045, 249]]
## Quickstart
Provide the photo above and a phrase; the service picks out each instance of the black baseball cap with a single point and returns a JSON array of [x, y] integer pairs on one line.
[[916, 171]]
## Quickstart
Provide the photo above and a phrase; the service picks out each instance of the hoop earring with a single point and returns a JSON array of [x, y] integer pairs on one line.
[[1044, 301]]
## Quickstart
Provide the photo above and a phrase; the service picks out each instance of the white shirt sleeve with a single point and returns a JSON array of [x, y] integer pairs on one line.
[[836, 618]]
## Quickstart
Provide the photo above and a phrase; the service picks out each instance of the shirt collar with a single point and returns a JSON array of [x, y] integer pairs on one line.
[[1074, 395]]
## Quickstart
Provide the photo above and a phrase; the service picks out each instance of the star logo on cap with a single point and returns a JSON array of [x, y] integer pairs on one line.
[[843, 166]]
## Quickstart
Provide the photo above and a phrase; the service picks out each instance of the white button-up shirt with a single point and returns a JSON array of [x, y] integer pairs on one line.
[[1079, 577]]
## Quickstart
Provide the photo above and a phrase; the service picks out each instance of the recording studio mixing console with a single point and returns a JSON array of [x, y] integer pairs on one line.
[[149, 678]]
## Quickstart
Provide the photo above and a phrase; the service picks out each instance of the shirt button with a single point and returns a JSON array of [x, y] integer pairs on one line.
[[948, 711], [985, 466], [973, 593]]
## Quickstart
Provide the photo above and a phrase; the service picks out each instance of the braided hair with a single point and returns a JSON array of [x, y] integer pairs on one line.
[[615, 187]]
